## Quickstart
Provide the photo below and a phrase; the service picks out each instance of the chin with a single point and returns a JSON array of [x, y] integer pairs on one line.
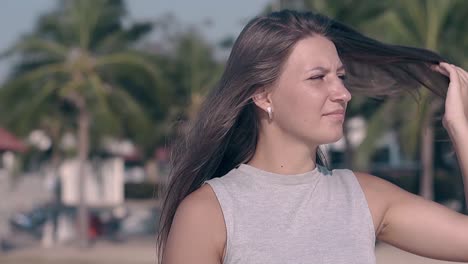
[[332, 138]]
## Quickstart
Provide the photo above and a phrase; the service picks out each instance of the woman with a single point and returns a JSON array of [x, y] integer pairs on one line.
[[248, 182]]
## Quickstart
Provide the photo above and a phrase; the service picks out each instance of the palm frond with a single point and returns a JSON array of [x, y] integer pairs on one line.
[[136, 121], [46, 71], [40, 45], [107, 119], [24, 114], [129, 58]]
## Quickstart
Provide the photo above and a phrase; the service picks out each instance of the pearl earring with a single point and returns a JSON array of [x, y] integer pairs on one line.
[[270, 113]]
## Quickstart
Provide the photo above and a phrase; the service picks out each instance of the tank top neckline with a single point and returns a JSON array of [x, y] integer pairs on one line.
[[282, 179]]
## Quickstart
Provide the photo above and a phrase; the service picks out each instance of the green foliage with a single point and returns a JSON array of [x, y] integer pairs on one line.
[[83, 50], [357, 13], [435, 25], [191, 70]]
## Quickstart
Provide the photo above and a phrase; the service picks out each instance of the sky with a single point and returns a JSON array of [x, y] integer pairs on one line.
[[17, 17]]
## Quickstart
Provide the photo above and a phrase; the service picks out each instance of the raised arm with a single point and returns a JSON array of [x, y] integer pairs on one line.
[[456, 114], [417, 225]]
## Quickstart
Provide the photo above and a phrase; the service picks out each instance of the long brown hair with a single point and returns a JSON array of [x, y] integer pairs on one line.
[[225, 132]]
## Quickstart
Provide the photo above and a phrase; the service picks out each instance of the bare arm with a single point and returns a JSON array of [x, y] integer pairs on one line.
[[420, 226], [416, 225], [455, 118], [195, 232]]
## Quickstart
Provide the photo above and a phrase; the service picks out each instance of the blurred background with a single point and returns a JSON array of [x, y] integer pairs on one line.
[[94, 91]]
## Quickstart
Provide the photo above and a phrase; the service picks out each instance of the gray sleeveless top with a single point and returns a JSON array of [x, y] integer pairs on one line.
[[320, 216]]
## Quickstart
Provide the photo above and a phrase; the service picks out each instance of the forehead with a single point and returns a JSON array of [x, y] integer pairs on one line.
[[313, 52]]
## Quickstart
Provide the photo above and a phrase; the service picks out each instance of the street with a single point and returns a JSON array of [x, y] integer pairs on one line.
[[143, 251]]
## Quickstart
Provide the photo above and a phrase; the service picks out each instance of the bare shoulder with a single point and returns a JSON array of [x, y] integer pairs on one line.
[[379, 194], [374, 183], [387, 191], [197, 234], [203, 198]]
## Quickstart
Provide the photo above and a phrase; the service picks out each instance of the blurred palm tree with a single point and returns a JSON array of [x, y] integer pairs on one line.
[[196, 69], [80, 65], [356, 13], [192, 70], [435, 25]]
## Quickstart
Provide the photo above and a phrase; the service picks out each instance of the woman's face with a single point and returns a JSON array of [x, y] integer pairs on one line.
[[308, 90]]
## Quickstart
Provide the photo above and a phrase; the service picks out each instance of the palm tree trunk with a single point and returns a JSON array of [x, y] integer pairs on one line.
[[427, 151], [83, 150], [427, 154], [57, 188]]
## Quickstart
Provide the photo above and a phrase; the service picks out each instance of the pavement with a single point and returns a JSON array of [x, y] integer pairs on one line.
[[140, 251], [143, 251], [387, 254]]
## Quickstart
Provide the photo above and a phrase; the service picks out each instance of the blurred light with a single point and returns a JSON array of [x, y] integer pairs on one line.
[[39, 139], [68, 141]]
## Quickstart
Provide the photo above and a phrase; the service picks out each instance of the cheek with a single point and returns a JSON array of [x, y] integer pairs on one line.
[[301, 108]]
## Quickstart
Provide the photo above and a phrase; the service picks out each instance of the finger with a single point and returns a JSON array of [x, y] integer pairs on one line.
[[453, 73], [462, 74], [461, 69], [463, 88], [461, 77], [440, 70]]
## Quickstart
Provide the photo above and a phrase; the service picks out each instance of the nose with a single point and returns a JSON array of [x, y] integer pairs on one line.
[[339, 92]]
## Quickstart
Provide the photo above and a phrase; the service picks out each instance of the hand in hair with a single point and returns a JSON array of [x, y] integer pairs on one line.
[[456, 103], [412, 223], [455, 118]]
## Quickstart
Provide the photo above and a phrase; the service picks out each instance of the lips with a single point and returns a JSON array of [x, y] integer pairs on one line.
[[337, 115], [335, 112]]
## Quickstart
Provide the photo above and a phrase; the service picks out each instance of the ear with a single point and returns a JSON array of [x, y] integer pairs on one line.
[[262, 98]]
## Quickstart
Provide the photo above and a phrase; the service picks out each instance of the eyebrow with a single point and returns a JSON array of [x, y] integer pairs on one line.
[[325, 69]]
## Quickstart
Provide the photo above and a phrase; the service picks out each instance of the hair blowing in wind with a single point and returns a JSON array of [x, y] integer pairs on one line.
[[225, 131]]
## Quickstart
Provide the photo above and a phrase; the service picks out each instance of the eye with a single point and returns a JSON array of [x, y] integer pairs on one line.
[[317, 77], [342, 77]]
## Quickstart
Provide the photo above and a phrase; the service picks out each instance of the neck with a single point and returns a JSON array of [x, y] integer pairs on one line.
[[283, 155]]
